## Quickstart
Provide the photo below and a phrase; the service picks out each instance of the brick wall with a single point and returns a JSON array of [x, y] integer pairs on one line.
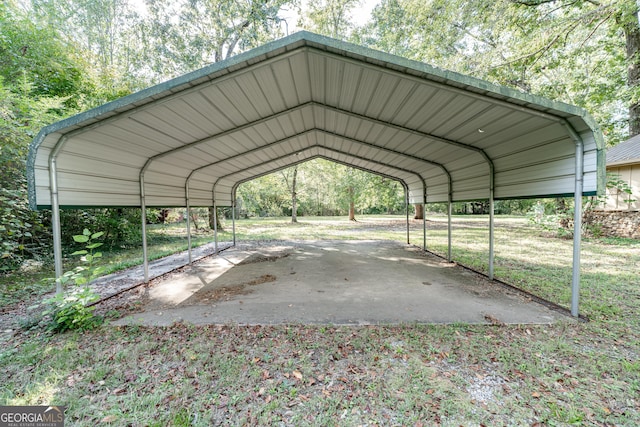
[[613, 223]]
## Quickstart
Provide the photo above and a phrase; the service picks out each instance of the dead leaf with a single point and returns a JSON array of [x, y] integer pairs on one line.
[[535, 394], [119, 391], [130, 377], [493, 320], [297, 374], [109, 419]]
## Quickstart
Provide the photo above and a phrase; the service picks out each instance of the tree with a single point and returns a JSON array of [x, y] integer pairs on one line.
[[430, 31], [330, 17], [621, 17], [292, 190], [571, 51], [39, 81], [264, 196], [181, 36], [351, 185], [109, 30], [419, 211], [34, 62]]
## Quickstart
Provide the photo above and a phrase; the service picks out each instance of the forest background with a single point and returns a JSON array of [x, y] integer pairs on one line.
[[59, 58]]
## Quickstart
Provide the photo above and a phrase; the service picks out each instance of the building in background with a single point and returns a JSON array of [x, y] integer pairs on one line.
[[623, 164]]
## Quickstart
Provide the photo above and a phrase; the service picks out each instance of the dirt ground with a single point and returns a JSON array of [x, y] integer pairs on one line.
[[330, 282]]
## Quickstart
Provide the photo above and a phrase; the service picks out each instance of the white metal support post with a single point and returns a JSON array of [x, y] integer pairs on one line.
[[143, 216], [233, 217], [491, 219], [491, 236], [577, 216], [424, 218], [577, 229], [449, 207], [55, 216], [215, 227], [406, 207], [187, 203]]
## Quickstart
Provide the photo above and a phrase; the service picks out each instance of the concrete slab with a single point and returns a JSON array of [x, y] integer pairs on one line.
[[334, 282]]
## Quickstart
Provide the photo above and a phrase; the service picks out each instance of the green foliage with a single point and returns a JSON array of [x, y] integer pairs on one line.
[[105, 33], [323, 188], [40, 82], [180, 36], [514, 207], [565, 50], [22, 233], [553, 216], [619, 186], [121, 226], [330, 17], [34, 54], [71, 309]]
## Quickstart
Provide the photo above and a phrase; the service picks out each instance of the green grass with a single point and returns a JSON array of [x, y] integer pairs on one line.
[[565, 374]]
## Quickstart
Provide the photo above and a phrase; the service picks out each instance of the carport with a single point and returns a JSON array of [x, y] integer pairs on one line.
[[192, 140]]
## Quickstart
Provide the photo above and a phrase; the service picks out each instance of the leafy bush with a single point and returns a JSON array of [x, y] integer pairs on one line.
[[71, 309], [22, 233], [554, 216], [121, 226]]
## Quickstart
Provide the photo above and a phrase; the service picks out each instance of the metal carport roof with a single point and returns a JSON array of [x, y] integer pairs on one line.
[[447, 137]]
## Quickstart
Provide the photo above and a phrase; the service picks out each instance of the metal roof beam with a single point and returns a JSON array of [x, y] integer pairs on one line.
[[302, 161], [318, 156], [405, 129], [222, 134], [356, 141]]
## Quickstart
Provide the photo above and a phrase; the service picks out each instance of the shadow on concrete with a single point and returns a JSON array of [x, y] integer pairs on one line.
[[333, 282]]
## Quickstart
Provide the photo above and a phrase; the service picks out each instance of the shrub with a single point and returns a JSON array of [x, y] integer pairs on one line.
[[71, 309]]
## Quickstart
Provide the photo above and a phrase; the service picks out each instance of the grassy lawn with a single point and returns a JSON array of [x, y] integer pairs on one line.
[[566, 374]]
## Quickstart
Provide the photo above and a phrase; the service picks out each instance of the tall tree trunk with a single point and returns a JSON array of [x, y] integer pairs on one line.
[[632, 38], [294, 198], [352, 204], [217, 224], [194, 220], [419, 211]]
